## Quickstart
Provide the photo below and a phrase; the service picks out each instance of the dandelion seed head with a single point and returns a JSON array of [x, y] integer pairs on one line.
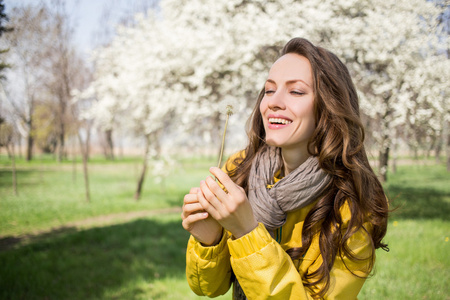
[[229, 109]]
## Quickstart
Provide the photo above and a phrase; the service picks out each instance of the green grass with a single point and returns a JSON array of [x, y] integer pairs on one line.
[[45, 256], [141, 259], [50, 195], [418, 263]]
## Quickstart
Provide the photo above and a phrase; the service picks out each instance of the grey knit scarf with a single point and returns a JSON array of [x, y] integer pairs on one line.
[[270, 206], [298, 189]]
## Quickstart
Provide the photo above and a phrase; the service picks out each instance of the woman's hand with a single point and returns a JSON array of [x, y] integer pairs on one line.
[[232, 210], [198, 222]]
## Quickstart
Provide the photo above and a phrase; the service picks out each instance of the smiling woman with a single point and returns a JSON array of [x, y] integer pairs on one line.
[[300, 212], [288, 108]]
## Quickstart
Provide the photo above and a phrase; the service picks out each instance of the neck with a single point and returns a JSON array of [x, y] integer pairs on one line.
[[293, 158]]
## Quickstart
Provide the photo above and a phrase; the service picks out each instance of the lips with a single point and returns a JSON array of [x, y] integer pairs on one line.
[[278, 121]]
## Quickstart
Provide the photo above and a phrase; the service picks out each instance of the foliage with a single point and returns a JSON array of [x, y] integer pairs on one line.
[[3, 28], [45, 131], [44, 69], [187, 62]]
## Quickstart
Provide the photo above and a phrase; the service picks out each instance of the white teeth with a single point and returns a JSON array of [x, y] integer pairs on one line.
[[279, 121]]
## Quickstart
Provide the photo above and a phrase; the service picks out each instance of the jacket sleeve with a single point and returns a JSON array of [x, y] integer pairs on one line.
[[208, 269], [265, 270]]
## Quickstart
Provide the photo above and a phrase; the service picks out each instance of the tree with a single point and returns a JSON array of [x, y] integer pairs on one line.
[[428, 112], [7, 131], [7, 134], [128, 83], [444, 37], [385, 44], [27, 56], [189, 59], [3, 28], [82, 124], [62, 56], [45, 69]]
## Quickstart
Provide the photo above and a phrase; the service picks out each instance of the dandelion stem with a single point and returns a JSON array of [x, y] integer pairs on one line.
[[229, 112]]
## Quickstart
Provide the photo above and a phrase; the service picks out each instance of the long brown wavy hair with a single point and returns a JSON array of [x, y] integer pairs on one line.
[[338, 143]]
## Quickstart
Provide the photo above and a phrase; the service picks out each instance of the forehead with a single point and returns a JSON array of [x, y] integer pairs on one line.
[[291, 66]]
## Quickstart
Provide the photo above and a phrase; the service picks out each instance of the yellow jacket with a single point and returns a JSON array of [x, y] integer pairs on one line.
[[265, 271]]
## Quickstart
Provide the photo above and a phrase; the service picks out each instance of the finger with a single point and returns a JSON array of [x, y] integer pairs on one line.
[[210, 196], [206, 204], [189, 209], [216, 189], [194, 190], [189, 221], [190, 198], [224, 179]]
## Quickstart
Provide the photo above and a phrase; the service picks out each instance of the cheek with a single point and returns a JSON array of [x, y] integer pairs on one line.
[[311, 119], [263, 106], [305, 112]]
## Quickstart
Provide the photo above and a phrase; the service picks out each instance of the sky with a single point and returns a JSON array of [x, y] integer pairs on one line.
[[86, 17]]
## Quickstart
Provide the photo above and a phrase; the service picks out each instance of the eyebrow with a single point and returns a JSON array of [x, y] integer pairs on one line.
[[289, 81]]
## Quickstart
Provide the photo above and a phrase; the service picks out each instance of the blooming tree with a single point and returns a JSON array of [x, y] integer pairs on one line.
[[386, 44], [188, 60]]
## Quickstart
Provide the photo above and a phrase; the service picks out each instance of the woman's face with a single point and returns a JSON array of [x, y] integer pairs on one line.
[[287, 105]]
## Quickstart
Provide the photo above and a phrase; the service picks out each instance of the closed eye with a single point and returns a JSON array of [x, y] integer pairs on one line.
[[268, 92], [297, 93]]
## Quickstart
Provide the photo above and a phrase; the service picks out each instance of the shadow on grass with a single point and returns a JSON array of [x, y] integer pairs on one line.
[[9, 242], [88, 263], [418, 202], [6, 177]]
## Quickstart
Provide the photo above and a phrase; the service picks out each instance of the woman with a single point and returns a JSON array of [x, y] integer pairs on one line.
[[300, 211]]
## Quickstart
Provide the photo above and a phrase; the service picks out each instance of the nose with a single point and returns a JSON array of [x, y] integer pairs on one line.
[[276, 101]]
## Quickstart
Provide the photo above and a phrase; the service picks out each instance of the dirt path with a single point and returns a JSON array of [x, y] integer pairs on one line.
[[121, 217], [8, 242]]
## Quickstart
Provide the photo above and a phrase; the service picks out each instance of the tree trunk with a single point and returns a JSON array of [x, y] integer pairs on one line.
[[384, 154], [141, 179], [13, 166], [446, 143], [86, 177], [445, 133], [74, 163], [386, 140], [19, 144], [394, 158], [384, 157], [30, 138], [61, 148], [109, 147], [437, 151], [30, 142], [84, 154]]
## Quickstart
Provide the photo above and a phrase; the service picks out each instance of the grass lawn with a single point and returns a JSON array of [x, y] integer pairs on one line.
[[51, 195], [47, 251], [418, 264]]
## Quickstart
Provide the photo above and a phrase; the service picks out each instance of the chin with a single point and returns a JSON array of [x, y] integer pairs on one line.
[[274, 143]]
